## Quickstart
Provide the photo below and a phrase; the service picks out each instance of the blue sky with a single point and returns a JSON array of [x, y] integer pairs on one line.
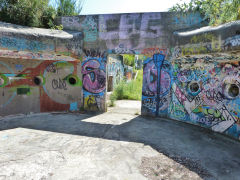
[[126, 6]]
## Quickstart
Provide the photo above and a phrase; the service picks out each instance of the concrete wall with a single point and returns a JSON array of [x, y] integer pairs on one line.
[[191, 73], [39, 71], [39, 86], [136, 33], [198, 80]]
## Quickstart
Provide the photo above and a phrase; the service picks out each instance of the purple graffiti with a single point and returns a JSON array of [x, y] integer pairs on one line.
[[150, 80], [94, 79]]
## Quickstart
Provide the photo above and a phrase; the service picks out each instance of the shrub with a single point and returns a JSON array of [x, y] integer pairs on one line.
[[129, 90]]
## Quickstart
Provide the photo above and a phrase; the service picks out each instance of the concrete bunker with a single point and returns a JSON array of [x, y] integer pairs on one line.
[[191, 73]]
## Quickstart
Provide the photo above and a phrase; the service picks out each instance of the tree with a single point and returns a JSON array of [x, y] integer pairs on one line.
[[37, 13], [129, 59], [215, 11], [68, 7], [34, 13]]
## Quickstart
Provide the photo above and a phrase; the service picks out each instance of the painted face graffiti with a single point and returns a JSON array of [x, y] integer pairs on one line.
[[94, 79]]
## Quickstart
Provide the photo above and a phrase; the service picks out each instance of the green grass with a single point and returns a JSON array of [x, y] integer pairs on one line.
[[128, 90]]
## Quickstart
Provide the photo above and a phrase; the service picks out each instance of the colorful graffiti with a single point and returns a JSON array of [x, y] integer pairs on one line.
[[208, 90], [156, 84], [21, 44], [190, 19], [179, 82], [203, 90], [41, 86], [115, 70], [94, 83], [90, 29], [94, 78]]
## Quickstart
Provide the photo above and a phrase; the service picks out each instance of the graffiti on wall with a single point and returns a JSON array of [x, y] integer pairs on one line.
[[42, 85], [90, 29], [129, 30], [156, 85], [206, 92], [188, 20], [203, 90], [21, 44], [94, 83], [232, 41], [116, 70], [154, 50], [206, 43]]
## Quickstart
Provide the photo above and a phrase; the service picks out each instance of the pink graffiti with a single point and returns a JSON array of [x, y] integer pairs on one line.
[[150, 80], [94, 79], [181, 97]]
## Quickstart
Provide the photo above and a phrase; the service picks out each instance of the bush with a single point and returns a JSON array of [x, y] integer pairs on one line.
[[129, 59], [37, 13], [25, 12], [112, 100], [128, 90], [215, 11]]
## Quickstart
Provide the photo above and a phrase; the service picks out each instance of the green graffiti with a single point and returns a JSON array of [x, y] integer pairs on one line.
[[4, 80], [208, 111]]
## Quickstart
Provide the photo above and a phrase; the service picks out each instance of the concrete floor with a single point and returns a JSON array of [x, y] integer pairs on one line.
[[117, 145]]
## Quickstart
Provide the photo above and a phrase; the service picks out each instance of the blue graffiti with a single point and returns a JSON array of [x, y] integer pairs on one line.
[[20, 44]]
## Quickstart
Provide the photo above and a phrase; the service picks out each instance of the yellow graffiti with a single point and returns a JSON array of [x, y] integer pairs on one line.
[[201, 44], [90, 103]]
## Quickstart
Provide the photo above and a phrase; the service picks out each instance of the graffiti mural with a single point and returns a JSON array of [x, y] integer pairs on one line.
[[94, 83], [115, 69], [21, 44], [156, 85], [190, 75], [41, 86], [90, 29], [206, 90]]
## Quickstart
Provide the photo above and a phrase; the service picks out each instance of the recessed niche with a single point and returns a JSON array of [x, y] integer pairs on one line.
[[194, 87], [233, 90], [72, 80], [38, 80], [23, 91]]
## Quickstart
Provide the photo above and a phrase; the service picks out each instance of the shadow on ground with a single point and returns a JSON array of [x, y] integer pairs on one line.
[[210, 155]]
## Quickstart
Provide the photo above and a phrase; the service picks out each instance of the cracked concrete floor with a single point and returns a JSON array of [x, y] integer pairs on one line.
[[117, 145]]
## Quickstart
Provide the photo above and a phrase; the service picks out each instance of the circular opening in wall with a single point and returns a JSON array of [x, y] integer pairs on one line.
[[233, 90], [38, 80], [72, 80], [194, 87]]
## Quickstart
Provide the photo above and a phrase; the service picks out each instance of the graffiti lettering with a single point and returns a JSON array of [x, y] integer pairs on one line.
[[59, 84], [94, 53], [90, 29], [233, 41], [152, 51], [213, 95], [51, 68]]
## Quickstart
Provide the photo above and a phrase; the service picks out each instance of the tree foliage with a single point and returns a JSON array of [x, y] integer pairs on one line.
[[129, 59], [33, 13], [215, 11], [68, 7], [36, 13]]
